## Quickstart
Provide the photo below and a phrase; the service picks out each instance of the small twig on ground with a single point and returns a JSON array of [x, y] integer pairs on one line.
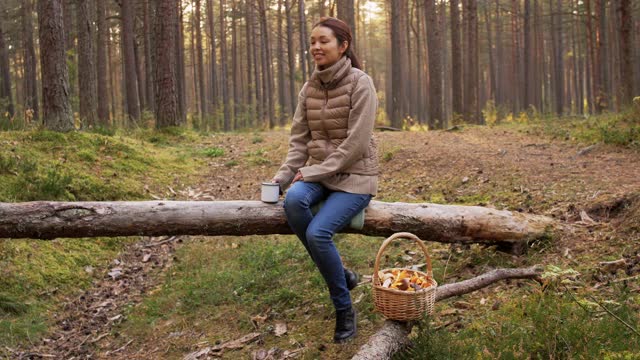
[[119, 349], [627, 278], [615, 316], [161, 242]]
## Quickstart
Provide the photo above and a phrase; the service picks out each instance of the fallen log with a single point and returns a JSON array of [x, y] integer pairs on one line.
[[394, 335], [433, 222]]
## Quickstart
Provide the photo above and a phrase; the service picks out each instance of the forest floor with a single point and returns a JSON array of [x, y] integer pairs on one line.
[[170, 297]]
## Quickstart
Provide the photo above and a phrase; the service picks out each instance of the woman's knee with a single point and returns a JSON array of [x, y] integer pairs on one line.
[[316, 236], [296, 199]]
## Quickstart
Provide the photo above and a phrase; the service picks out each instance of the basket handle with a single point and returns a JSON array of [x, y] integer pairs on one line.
[[406, 235]]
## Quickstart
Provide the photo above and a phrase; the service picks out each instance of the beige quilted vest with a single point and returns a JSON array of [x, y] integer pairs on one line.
[[328, 107]]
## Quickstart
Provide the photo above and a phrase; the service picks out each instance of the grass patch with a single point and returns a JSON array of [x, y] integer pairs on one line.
[[621, 129], [213, 152], [35, 276], [542, 325]]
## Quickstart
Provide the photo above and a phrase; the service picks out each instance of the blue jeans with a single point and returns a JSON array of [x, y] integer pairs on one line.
[[316, 232]]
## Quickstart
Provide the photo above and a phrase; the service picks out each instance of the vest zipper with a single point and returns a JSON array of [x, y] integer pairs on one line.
[[324, 127]]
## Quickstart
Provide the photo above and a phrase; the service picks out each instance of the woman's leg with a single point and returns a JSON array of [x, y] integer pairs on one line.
[[338, 210], [297, 206]]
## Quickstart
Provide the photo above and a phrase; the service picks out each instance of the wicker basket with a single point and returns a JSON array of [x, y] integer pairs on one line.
[[403, 305]]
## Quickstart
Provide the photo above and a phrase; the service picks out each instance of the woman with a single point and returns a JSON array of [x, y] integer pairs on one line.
[[332, 157]]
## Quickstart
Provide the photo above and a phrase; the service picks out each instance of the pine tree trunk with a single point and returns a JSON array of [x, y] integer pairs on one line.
[[251, 63], [576, 65], [70, 44], [280, 59], [626, 56], [127, 13], [268, 82], [304, 47], [140, 76], [6, 99], [558, 57], [56, 107], [31, 106], [235, 72], [148, 57], [516, 81], [86, 66], [200, 62], [101, 63], [166, 95], [500, 78], [472, 64], [456, 59], [603, 52], [396, 64], [213, 99], [194, 69], [180, 71], [257, 56], [528, 78], [291, 56], [436, 116], [223, 69], [404, 59], [346, 13]]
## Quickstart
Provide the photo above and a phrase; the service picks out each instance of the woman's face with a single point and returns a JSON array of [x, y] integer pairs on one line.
[[324, 47]]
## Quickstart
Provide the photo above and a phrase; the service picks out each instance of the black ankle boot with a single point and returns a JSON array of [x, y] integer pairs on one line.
[[352, 278], [345, 325]]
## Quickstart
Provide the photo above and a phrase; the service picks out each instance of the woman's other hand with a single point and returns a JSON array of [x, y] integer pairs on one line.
[[297, 177]]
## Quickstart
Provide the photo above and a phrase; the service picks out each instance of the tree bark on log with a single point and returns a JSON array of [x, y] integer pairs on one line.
[[394, 335], [432, 222]]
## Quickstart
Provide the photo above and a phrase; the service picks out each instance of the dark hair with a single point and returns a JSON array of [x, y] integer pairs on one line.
[[343, 33]]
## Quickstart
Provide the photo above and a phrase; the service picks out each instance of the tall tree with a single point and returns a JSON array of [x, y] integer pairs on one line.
[[280, 58], [456, 58], [291, 55], [472, 107], [267, 66], [101, 63], [304, 46], [127, 13], [235, 63], [149, 60], [30, 85], [56, 107], [492, 65], [223, 68], [213, 91], [346, 13], [436, 94], [251, 64], [396, 64], [180, 71], [86, 66], [257, 56], [167, 112], [558, 62], [626, 56], [528, 83], [200, 61], [6, 100]]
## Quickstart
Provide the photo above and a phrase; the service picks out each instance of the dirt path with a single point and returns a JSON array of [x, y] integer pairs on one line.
[[520, 171]]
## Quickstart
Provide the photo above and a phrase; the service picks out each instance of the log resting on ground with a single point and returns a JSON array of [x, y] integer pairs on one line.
[[432, 222], [394, 335]]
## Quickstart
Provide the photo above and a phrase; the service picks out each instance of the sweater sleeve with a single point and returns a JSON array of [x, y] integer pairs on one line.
[[300, 137], [362, 116]]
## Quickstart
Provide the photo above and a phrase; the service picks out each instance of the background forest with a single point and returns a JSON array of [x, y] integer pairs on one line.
[[528, 106], [226, 65]]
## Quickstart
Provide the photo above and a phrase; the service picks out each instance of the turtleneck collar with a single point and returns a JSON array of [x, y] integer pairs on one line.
[[331, 76]]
